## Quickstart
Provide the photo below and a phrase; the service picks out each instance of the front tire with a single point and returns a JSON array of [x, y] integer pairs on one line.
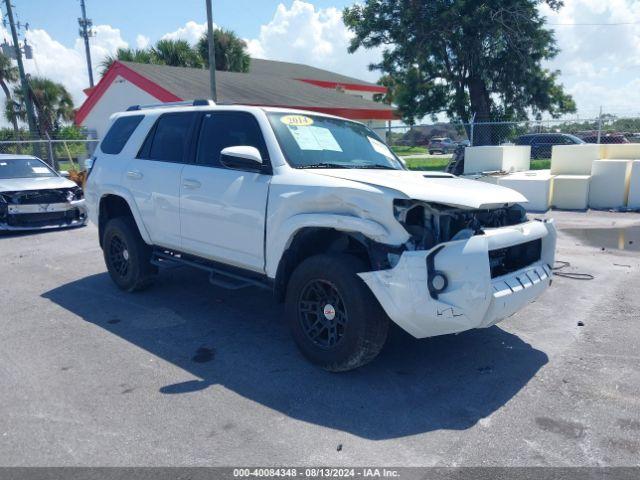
[[334, 318], [127, 256]]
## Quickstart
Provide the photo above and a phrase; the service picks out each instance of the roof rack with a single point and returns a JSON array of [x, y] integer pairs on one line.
[[198, 102]]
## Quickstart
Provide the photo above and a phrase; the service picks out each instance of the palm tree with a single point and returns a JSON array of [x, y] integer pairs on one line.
[[126, 55], [52, 102], [8, 75], [231, 51], [177, 53]]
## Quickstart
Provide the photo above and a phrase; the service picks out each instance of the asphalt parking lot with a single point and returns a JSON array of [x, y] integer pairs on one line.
[[187, 374]]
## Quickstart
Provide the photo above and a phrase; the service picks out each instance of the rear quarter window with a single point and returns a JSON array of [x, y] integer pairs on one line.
[[119, 133]]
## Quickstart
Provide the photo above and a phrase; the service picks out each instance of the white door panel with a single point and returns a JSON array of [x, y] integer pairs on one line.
[[223, 214], [155, 187]]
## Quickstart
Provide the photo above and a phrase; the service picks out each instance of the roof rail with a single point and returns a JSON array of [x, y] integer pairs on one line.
[[199, 102]]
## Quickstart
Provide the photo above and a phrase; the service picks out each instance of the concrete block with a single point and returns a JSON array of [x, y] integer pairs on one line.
[[609, 183], [536, 185], [570, 192], [622, 151], [492, 179], [575, 159], [505, 158], [634, 186]]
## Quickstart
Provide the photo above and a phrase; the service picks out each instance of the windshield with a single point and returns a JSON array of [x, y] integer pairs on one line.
[[24, 168], [310, 141]]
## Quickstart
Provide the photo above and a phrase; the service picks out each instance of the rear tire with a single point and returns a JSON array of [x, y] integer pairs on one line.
[[334, 318], [127, 256]]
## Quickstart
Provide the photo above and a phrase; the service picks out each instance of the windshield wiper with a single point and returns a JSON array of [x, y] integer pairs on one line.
[[324, 165], [382, 167]]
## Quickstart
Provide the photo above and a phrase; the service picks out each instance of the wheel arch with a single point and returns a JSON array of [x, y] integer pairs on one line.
[[118, 204], [314, 240]]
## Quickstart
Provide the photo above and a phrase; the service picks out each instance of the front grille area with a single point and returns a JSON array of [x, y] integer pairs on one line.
[[511, 259], [38, 197], [36, 220]]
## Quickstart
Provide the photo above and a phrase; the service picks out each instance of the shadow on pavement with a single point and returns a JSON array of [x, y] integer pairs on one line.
[[240, 341]]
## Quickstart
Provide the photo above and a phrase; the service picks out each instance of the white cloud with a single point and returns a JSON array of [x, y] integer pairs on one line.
[[316, 36], [68, 65], [599, 63], [142, 42], [191, 32]]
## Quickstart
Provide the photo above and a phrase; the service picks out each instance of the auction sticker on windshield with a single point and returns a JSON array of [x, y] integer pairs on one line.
[[380, 147], [314, 138]]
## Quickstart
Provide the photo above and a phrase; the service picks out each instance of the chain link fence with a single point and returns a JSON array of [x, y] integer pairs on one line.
[[61, 154], [429, 146]]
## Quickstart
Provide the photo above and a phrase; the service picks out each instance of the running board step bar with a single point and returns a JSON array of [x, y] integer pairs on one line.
[[217, 276]]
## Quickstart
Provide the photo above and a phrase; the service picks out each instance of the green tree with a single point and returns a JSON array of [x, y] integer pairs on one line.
[[463, 57], [177, 53], [126, 55], [52, 104], [231, 51], [8, 75]]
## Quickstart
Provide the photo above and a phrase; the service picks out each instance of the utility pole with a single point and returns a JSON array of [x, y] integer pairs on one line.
[[600, 124], [85, 32], [31, 120], [212, 52]]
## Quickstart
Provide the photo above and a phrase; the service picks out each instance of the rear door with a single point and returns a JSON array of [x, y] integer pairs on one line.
[[222, 209], [153, 176]]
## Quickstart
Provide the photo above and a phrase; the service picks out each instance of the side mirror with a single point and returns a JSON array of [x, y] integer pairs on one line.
[[241, 158], [88, 164]]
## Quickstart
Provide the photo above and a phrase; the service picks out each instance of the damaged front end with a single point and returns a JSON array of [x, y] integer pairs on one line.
[[42, 209], [462, 268]]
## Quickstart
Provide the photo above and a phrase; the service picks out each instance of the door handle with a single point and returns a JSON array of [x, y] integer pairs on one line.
[[191, 184], [134, 175]]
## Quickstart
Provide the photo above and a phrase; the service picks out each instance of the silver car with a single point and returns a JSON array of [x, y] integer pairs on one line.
[[33, 196]]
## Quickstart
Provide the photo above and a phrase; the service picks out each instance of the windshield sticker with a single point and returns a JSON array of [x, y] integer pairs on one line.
[[315, 138], [304, 138], [40, 169], [4, 164], [381, 148], [297, 120], [325, 139]]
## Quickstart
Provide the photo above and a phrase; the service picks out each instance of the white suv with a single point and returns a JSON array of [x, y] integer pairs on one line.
[[320, 211]]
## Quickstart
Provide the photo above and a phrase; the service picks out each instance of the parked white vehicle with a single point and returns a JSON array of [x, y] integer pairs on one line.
[[318, 209], [33, 196]]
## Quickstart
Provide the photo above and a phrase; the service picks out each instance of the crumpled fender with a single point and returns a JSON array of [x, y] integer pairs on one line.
[[345, 223]]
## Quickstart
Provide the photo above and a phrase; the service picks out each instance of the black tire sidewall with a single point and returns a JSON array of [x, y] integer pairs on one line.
[[126, 230], [360, 304]]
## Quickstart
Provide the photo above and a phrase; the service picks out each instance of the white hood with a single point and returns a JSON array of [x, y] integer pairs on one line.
[[432, 187], [41, 183]]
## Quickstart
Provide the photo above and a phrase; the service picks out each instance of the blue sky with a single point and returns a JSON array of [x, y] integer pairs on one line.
[[600, 62], [151, 17]]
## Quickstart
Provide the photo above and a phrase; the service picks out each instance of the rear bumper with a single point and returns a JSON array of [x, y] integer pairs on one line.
[[472, 299], [44, 217]]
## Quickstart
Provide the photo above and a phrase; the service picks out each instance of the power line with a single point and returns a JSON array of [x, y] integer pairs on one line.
[[616, 24]]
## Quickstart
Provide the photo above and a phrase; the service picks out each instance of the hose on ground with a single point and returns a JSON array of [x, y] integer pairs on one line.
[[560, 265]]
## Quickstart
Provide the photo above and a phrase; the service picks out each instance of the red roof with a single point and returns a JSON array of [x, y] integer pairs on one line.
[[169, 84]]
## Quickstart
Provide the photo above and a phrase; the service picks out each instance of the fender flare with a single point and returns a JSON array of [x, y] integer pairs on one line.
[[279, 240], [123, 193]]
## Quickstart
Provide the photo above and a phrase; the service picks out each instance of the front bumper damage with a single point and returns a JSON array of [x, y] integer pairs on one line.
[[23, 217], [472, 298]]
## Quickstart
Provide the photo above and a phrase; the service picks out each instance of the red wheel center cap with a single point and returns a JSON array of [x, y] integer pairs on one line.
[[329, 311]]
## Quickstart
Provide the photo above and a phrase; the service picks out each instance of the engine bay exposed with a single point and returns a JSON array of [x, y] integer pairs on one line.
[[430, 224]]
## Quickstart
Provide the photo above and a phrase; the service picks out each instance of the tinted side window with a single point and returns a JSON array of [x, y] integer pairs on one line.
[[170, 138], [228, 129], [119, 133]]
